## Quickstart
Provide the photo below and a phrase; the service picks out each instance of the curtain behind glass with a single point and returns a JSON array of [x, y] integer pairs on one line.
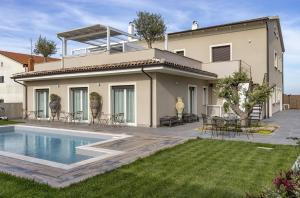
[[85, 104], [117, 100], [80, 101], [42, 100], [130, 105]]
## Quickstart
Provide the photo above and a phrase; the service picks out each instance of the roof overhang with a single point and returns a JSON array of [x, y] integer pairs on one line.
[[159, 68]]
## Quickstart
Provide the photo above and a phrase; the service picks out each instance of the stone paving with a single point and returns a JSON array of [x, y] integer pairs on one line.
[[144, 142], [289, 126]]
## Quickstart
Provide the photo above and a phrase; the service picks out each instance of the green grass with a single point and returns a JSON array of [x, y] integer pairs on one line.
[[198, 168], [6, 122]]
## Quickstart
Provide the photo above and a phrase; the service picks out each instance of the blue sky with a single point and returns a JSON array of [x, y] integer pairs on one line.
[[22, 20]]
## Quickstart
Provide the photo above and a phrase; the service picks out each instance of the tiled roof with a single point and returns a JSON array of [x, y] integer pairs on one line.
[[23, 58], [113, 66]]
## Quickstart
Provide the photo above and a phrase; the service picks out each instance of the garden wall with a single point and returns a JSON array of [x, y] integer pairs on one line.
[[11, 110]]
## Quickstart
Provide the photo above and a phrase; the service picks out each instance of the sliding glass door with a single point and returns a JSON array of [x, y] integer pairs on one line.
[[79, 101], [42, 101], [122, 101]]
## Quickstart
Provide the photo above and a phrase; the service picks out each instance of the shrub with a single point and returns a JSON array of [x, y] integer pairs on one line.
[[285, 185]]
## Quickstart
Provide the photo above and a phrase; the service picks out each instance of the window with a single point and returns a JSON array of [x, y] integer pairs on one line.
[[276, 59], [42, 101], [1, 79], [79, 101], [221, 53], [1, 64], [123, 101], [180, 52], [192, 99]]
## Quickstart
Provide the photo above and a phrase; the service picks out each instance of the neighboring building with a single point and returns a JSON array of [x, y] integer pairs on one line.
[[144, 83], [11, 63]]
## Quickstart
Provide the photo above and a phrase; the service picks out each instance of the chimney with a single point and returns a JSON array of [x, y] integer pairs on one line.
[[30, 64], [195, 25], [130, 30]]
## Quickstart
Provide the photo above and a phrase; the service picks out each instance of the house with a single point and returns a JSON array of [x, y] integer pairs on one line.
[[11, 63], [144, 83], [254, 46]]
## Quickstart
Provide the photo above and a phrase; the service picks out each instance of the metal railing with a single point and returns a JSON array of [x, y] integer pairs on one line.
[[244, 67]]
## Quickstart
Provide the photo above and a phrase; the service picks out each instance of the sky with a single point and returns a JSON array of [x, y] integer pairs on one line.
[[22, 20]]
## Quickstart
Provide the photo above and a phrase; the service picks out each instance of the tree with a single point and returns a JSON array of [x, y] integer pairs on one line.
[[45, 47], [150, 27], [239, 84]]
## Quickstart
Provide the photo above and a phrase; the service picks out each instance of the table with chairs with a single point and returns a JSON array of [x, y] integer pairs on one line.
[[228, 125]]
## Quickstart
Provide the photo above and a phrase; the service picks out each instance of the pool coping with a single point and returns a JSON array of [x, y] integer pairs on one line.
[[88, 149]]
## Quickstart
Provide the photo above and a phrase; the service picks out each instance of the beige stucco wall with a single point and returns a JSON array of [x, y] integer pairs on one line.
[[248, 45], [104, 58], [166, 88], [61, 87], [169, 87], [275, 75]]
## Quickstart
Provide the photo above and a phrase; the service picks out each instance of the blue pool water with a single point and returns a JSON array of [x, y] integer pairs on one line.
[[47, 146]]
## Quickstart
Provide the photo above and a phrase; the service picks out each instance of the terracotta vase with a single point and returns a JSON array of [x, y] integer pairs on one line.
[[179, 107]]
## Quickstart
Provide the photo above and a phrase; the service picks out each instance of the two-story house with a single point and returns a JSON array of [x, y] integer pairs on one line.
[[255, 46], [143, 84]]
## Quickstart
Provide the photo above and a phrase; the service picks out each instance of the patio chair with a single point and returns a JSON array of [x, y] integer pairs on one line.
[[206, 122], [218, 125], [65, 116], [104, 119], [245, 130]]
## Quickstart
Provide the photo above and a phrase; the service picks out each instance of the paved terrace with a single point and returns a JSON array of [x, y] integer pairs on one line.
[[144, 142]]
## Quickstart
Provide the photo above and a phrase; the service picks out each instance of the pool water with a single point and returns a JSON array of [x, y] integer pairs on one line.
[[60, 148]]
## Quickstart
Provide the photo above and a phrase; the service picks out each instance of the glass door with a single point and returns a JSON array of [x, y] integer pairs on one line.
[[79, 101], [42, 101], [123, 101]]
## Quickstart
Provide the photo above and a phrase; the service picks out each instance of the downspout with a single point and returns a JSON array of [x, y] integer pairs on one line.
[[151, 95], [268, 70], [62, 52], [26, 103]]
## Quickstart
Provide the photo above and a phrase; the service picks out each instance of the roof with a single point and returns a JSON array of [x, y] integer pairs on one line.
[[114, 66], [23, 58], [235, 23]]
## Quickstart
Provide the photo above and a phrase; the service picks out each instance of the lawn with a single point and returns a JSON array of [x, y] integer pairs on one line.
[[6, 122], [198, 168]]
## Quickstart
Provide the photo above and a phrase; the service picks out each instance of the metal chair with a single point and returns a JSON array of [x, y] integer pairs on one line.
[[206, 122], [218, 125]]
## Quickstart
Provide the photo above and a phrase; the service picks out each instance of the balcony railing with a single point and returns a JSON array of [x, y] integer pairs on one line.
[[226, 68]]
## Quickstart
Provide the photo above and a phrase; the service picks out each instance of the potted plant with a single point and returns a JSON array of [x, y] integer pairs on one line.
[[95, 104], [54, 105]]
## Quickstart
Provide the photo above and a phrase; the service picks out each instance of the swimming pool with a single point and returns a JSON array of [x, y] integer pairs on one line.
[[54, 147]]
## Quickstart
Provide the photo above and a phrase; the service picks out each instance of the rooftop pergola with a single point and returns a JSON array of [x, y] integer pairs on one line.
[[96, 35]]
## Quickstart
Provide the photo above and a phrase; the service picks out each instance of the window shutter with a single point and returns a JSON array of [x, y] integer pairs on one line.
[[221, 53]]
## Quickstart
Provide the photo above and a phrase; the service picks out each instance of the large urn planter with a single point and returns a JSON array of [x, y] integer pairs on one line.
[[179, 107], [54, 105], [95, 104]]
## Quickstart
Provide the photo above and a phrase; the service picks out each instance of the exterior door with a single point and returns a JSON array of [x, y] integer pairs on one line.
[[123, 101], [42, 102], [79, 101], [192, 97]]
